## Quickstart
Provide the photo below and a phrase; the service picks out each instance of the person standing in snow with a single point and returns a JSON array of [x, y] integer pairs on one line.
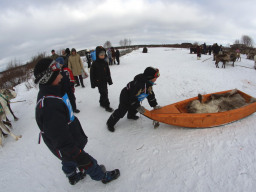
[[117, 56], [76, 65], [113, 55], [68, 82], [134, 93], [54, 55], [100, 76], [89, 59], [198, 50], [61, 130], [109, 54]]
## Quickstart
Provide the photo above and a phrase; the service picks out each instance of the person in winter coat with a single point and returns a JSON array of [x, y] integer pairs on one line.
[[54, 55], [68, 83], [113, 55], [109, 54], [100, 77], [140, 88], [61, 130], [89, 59], [65, 55], [76, 65], [117, 56], [198, 50]]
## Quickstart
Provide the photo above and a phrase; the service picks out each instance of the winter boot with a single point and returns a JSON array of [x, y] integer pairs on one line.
[[110, 127], [73, 179], [110, 176], [135, 117], [109, 109]]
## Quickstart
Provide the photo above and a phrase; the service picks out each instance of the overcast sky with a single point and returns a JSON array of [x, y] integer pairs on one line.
[[29, 27]]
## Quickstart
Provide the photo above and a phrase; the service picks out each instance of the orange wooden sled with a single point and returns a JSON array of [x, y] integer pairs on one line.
[[176, 114]]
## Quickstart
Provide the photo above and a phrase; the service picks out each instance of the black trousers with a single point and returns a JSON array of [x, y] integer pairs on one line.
[[103, 90], [72, 99], [81, 80], [123, 108], [118, 61]]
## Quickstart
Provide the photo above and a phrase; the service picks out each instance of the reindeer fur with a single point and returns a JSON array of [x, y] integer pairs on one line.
[[218, 103]]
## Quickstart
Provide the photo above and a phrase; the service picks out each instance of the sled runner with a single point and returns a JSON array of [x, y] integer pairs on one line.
[[177, 113]]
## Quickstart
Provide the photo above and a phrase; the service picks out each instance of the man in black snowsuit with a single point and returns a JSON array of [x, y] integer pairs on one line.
[[117, 56], [88, 57], [100, 77], [134, 93], [61, 130]]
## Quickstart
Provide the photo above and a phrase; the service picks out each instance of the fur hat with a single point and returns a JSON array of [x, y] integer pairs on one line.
[[45, 74], [151, 73]]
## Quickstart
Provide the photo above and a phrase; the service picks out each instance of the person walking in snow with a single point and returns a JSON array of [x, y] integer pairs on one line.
[[68, 83], [134, 93], [76, 65], [100, 76], [61, 130]]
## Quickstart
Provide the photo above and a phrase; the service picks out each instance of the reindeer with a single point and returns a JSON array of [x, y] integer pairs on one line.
[[218, 103], [5, 96], [225, 57]]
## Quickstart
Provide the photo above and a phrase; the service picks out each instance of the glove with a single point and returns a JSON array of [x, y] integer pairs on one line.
[[157, 107], [141, 109]]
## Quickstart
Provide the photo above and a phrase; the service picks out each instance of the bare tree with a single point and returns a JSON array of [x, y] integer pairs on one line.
[[246, 40], [121, 42], [237, 41], [125, 42], [107, 44]]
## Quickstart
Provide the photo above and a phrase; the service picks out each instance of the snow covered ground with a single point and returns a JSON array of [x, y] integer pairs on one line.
[[170, 158]]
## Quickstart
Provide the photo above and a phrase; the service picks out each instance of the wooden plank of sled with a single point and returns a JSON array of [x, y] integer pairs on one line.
[[176, 114]]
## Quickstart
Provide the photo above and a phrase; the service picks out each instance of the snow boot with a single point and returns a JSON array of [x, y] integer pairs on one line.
[[109, 109], [111, 128], [110, 176], [73, 179], [135, 117]]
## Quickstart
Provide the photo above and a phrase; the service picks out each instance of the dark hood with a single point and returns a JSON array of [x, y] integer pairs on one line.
[[98, 50], [142, 78]]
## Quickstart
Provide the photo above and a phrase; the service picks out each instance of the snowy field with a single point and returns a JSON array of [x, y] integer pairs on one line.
[[167, 159]]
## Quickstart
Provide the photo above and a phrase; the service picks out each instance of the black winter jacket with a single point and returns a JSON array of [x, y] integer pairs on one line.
[[99, 71], [64, 139], [137, 87]]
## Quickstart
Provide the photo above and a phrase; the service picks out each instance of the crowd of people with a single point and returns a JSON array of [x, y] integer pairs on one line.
[[61, 130]]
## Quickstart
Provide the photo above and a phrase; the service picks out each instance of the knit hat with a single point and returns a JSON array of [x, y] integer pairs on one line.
[[151, 73], [46, 71], [60, 60]]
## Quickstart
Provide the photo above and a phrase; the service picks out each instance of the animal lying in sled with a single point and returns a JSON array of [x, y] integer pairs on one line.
[[206, 110]]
